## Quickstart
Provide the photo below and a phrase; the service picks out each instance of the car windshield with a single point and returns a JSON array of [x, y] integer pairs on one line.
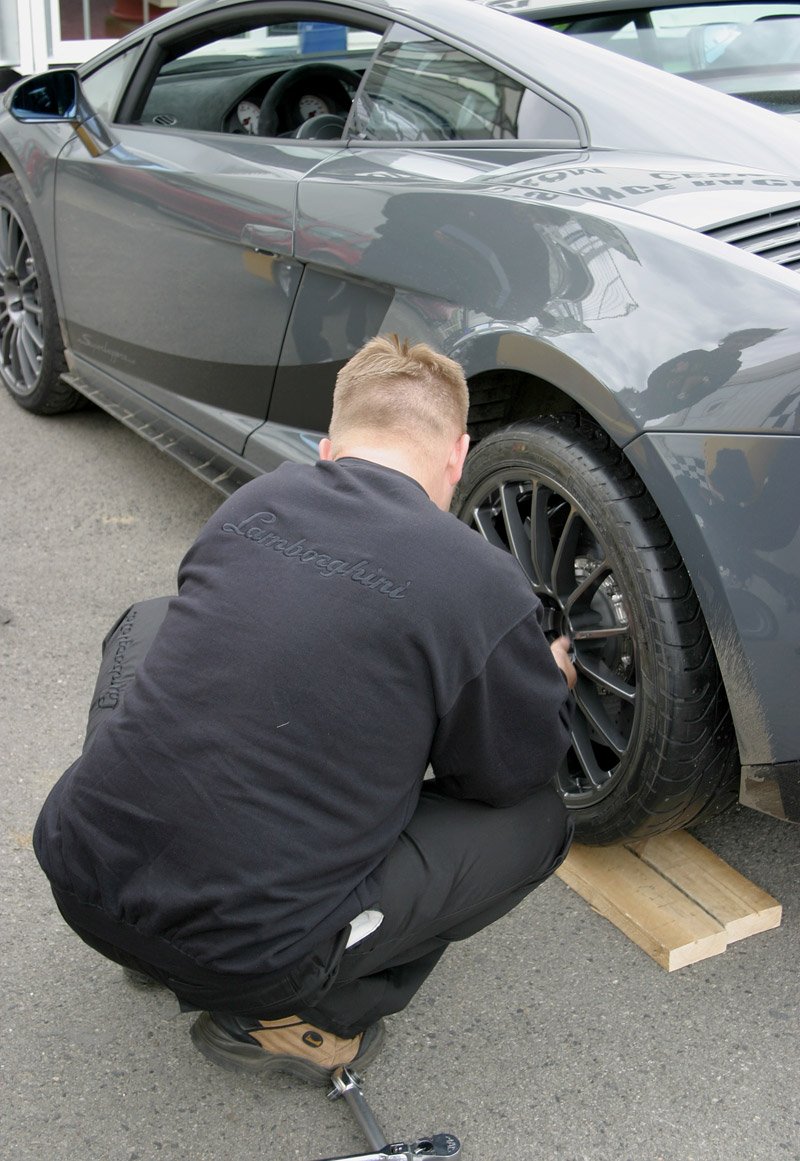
[[747, 50]]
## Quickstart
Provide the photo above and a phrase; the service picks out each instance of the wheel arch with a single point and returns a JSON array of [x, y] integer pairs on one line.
[[513, 376], [505, 389], [504, 397]]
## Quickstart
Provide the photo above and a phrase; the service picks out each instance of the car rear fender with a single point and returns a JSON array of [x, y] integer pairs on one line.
[[728, 500], [523, 375]]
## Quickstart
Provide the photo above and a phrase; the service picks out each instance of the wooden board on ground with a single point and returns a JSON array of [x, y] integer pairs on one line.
[[671, 895]]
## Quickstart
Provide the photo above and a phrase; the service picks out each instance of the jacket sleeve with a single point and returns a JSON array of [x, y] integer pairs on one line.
[[508, 729]]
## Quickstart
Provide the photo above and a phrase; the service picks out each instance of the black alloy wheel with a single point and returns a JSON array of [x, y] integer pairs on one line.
[[31, 350], [652, 740]]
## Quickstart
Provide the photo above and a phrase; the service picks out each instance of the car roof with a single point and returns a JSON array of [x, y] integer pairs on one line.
[[548, 9]]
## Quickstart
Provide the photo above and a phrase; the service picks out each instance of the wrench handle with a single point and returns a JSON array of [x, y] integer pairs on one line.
[[346, 1084]]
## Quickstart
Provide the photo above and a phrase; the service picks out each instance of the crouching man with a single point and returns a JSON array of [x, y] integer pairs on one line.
[[250, 826]]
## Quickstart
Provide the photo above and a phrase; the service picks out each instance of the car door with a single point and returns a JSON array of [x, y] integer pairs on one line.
[[176, 246]]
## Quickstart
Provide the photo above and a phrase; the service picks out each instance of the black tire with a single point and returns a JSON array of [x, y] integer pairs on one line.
[[31, 349], [653, 743]]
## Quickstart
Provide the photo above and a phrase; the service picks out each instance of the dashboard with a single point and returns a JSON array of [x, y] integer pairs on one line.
[[228, 97]]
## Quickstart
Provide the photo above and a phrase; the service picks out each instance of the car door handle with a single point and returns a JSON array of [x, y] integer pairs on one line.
[[268, 239]]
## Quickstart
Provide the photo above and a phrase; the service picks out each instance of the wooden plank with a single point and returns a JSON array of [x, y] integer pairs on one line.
[[740, 906], [656, 915]]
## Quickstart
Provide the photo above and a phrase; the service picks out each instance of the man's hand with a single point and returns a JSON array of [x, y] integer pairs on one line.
[[560, 648]]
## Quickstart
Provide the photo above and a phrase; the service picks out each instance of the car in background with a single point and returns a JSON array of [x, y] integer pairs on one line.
[[746, 48], [200, 226]]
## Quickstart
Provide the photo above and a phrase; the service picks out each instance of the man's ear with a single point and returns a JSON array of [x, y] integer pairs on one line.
[[455, 464], [325, 449]]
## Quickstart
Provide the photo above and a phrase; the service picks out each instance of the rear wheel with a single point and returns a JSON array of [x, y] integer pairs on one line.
[[652, 739], [31, 351]]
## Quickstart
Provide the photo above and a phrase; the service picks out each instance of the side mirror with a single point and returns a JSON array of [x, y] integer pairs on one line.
[[52, 96], [56, 97]]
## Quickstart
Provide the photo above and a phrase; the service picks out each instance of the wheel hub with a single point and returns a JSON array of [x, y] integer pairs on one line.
[[555, 620]]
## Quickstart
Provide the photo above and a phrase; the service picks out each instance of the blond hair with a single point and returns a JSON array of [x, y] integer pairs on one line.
[[411, 393]]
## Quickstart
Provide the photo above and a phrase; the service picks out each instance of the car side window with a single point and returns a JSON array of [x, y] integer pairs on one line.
[[238, 79], [419, 89], [104, 87]]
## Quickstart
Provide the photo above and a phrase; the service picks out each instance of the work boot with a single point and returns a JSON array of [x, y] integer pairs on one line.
[[288, 1045]]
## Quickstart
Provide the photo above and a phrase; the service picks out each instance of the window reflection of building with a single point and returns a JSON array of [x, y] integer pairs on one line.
[[592, 286], [422, 90], [586, 258], [40, 34], [104, 19], [692, 379]]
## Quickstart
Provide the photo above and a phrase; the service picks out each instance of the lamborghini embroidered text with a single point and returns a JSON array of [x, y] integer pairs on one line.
[[363, 572]]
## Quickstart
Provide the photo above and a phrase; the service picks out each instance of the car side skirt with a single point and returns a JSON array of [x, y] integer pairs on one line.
[[215, 465]]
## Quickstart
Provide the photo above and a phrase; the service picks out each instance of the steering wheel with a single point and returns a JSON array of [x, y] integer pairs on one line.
[[334, 77], [323, 127]]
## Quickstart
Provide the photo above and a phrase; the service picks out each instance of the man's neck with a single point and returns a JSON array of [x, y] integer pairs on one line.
[[436, 479], [395, 458]]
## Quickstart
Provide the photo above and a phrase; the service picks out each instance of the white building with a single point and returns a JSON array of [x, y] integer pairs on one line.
[[40, 34]]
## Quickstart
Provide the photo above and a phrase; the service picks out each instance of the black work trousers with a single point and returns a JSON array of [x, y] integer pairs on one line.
[[456, 868]]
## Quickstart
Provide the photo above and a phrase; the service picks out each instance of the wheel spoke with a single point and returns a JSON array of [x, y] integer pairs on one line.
[[17, 365], [541, 544], [585, 591], [482, 519], [563, 574], [31, 305], [518, 540], [596, 715], [6, 340], [582, 748], [20, 257], [5, 241], [596, 670], [601, 633], [33, 332], [28, 283], [28, 357]]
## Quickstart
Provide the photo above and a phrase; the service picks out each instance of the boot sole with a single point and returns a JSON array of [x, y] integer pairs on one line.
[[222, 1050]]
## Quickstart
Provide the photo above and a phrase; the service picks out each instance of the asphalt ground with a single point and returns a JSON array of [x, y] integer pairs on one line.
[[549, 1036]]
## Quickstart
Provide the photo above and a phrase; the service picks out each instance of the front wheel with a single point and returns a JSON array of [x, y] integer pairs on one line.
[[652, 740], [31, 351]]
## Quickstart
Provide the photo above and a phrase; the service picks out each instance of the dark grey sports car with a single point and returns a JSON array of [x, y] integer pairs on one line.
[[199, 226]]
